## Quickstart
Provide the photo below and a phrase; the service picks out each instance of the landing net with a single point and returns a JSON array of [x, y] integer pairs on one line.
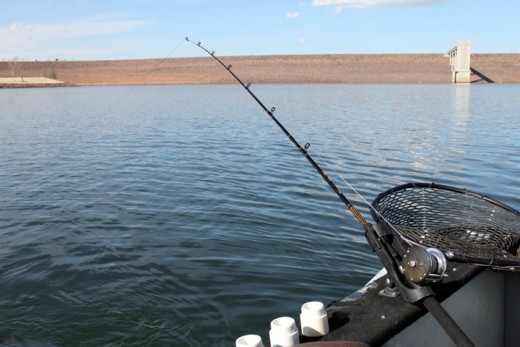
[[468, 226]]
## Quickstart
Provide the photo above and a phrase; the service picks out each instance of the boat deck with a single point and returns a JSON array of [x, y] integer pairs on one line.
[[368, 317]]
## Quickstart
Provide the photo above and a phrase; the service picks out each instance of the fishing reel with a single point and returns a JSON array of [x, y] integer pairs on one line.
[[410, 270], [423, 265]]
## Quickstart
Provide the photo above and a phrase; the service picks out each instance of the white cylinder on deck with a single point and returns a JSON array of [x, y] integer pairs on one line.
[[249, 341], [313, 319], [283, 332]]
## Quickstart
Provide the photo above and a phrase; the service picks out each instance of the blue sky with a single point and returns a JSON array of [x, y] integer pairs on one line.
[[128, 29]]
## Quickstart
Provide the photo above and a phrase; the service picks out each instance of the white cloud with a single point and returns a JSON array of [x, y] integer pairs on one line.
[[372, 3], [21, 39], [67, 30], [292, 15], [303, 41]]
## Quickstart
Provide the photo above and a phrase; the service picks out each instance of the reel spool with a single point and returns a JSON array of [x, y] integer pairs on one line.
[[424, 265]]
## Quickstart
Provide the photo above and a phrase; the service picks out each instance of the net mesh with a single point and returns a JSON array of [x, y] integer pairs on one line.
[[471, 226]]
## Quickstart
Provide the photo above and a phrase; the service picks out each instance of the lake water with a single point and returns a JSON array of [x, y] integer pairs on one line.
[[183, 216]]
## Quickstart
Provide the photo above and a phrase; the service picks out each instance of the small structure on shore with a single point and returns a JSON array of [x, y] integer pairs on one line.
[[460, 62]]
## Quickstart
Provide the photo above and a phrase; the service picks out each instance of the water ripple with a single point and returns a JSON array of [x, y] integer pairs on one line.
[[184, 217]]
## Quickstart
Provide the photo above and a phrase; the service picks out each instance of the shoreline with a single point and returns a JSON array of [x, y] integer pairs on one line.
[[275, 69], [30, 82]]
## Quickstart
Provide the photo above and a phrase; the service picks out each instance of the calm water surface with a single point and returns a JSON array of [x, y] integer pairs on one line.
[[182, 216]]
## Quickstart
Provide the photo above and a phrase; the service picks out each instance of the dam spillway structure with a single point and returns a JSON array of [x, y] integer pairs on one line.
[[460, 57]]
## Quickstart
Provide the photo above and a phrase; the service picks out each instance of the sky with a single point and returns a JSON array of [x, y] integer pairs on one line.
[[137, 29]]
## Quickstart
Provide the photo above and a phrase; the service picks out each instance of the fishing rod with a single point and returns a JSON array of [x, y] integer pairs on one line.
[[389, 249], [381, 240], [303, 150]]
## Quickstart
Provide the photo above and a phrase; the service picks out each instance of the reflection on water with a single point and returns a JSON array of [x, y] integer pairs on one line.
[[450, 135], [461, 100], [461, 103], [184, 217]]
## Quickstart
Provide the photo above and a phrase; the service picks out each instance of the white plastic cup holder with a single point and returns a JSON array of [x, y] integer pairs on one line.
[[313, 319], [283, 332], [249, 341]]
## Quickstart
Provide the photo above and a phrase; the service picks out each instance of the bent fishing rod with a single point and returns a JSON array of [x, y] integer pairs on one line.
[[381, 242], [303, 150]]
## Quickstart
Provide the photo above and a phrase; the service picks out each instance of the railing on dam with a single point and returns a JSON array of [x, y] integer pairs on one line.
[[460, 62]]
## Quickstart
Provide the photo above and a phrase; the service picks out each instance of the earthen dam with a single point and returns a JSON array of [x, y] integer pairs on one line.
[[333, 68]]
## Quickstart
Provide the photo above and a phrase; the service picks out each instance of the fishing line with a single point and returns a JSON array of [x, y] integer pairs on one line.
[[303, 150], [125, 95], [368, 204], [110, 108]]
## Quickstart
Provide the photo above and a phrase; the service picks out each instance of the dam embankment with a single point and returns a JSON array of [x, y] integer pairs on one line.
[[333, 68]]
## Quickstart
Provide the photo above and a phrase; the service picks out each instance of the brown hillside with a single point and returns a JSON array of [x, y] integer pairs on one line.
[[343, 68]]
